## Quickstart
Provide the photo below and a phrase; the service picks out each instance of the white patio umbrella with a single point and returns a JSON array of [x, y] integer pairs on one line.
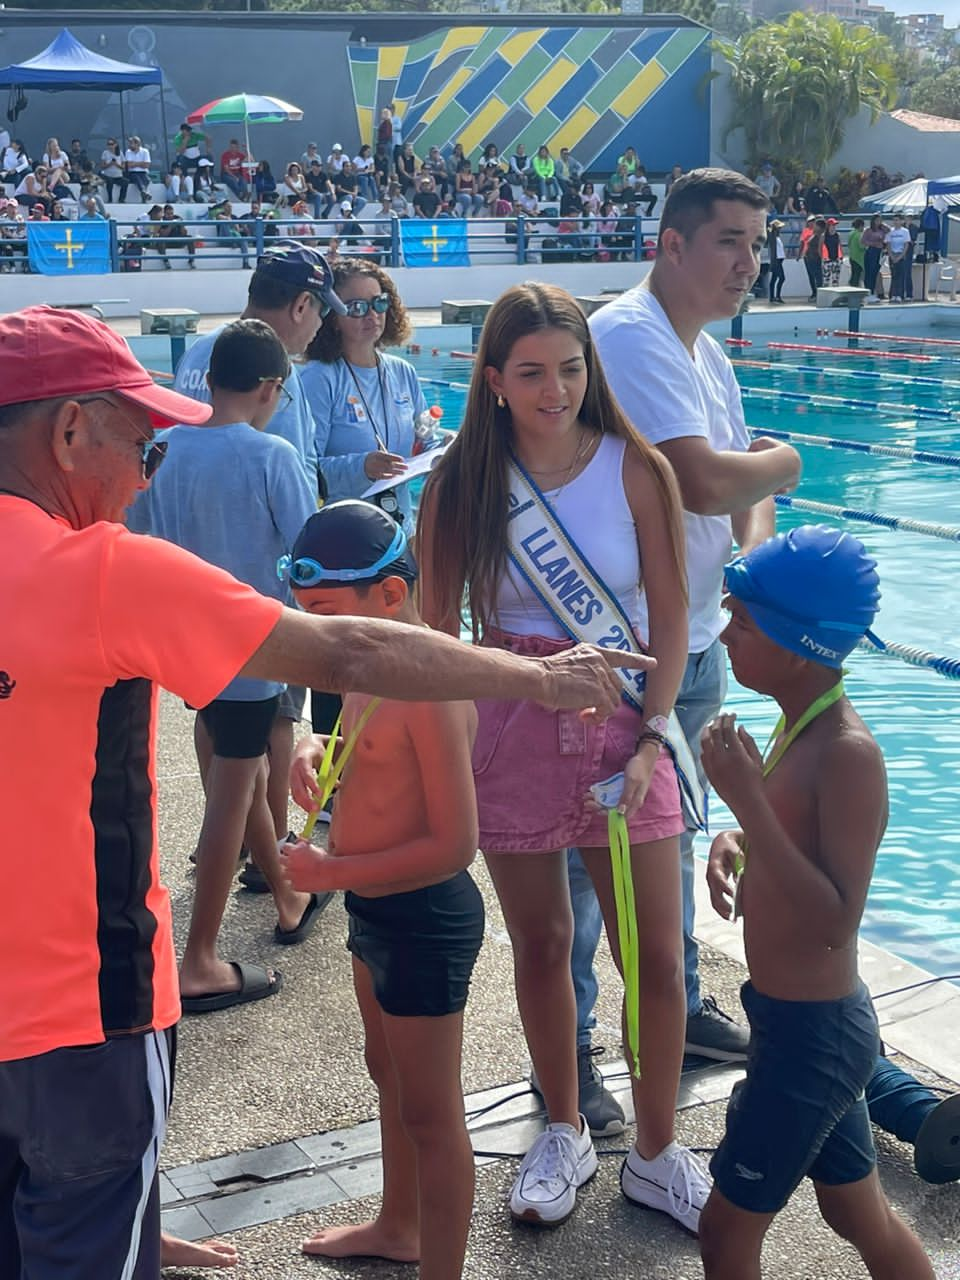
[[911, 197]]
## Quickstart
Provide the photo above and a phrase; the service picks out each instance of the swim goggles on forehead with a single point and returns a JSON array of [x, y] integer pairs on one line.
[[305, 572], [357, 308]]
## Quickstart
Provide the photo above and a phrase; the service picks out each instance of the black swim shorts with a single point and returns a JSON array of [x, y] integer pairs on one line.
[[420, 947], [801, 1110], [240, 730]]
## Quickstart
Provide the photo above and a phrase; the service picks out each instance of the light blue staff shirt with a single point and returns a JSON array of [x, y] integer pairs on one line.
[[237, 498], [292, 422], [343, 412]]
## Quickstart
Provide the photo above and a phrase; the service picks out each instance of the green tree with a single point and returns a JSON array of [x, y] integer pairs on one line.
[[797, 83], [939, 95], [699, 10]]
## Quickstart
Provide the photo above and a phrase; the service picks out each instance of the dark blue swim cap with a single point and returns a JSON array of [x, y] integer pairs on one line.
[[814, 591], [345, 543]]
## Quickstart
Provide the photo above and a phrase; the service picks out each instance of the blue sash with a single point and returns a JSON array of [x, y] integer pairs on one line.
[[580, 602]]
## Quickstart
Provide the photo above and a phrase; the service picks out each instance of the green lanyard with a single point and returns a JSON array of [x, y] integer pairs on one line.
[[329, 774], [771, 760], [626, 929]]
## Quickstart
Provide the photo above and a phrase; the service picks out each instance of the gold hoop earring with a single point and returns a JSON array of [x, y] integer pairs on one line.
[[501, 403]]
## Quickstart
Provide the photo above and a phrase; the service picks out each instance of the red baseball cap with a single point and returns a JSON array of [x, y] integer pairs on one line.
[[46, 353]]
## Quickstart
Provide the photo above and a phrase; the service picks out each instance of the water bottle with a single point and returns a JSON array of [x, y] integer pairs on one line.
[[426, 429]]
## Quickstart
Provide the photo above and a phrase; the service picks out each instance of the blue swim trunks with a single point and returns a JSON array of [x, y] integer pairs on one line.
[[801, 1111]]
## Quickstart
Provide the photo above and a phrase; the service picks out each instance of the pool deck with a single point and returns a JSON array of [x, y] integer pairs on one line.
[[273, 1132]]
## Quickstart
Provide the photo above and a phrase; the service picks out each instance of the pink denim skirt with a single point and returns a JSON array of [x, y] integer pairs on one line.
[[533, 767]]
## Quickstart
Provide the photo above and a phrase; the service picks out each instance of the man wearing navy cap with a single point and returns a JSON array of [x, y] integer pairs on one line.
[[291, 290]]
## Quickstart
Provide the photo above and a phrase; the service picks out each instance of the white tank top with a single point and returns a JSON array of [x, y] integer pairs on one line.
[[593, 509]]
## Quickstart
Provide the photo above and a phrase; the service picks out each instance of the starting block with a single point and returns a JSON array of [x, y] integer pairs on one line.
[[592, 302], [174, 321], [848, 298], [471, 311]]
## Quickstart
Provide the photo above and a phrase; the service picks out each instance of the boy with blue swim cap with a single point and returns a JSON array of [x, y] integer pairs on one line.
[[811, 814], [403, 832]]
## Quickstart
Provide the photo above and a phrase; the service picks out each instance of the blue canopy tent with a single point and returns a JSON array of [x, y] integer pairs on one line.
[[68, 64]]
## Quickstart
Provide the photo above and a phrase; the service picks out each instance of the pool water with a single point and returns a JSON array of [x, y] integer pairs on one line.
[[914, 903]]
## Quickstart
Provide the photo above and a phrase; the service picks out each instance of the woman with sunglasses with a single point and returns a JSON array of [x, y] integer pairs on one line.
[[365, 402]]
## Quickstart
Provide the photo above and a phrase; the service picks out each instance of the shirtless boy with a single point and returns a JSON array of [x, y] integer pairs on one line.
[[404, 831], [811, 818]]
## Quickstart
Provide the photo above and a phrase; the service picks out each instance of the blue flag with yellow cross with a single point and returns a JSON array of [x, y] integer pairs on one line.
[[69, 248], [429, 243]]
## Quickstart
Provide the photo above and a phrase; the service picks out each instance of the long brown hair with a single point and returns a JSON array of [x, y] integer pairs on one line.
[[468, 490], [328, 344]]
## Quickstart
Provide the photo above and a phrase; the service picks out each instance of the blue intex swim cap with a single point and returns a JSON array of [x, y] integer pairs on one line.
[[814, 591]]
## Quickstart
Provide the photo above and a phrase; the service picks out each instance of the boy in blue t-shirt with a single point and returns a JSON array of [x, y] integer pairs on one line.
[[237, 497]]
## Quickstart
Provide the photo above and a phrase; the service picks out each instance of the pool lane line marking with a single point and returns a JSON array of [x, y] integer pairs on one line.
[[905, 524], [854, 351], [846, 402], [866, 375], [914, 655], [893, 337], [857, 446]]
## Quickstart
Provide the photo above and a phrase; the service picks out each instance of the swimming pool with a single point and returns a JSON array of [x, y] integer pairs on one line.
[[914, 903]]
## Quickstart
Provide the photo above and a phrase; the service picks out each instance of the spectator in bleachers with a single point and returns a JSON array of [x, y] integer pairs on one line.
[[264, 183], [232, 172], [58, 168], [383, 168], [488, 187], [172, 233], [617, 185], [365, 169], [396, 205], [612, 235], [454, 161], [33, 189], [191, 143], [569, 171], [38, 213], [13, 237], [112, 171], [545, 172], [230, 231], [78, 160], [396, 125], [529, 203], [312, 153], [630, 161], [303, 228], [426, 202], [503, 205], [136, 164], [675, 173], [643, 195], [248, 222], [589, 198], [91, 211], [348, 229], [91, 184], [58, 213], [293, 187], [519, 170], [204, 187], [322, 194], [407, 167], [15, 162], [385, 132], [468, 199], [491, 155], [347, 187], [436, 167], [336, 159], [179, 184], [768, 182]]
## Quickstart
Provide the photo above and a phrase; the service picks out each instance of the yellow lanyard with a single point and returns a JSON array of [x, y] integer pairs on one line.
[[329, 774], [627, 929], [772, 758]]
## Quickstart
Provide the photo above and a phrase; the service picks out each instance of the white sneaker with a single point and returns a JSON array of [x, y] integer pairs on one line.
[[560, 1161], [675, 1182]]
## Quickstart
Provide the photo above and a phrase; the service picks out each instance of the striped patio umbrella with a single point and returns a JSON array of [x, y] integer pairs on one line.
[[245, 108]]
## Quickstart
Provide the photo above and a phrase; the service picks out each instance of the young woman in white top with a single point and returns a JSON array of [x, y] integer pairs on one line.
[[14, 163], [538, 394], [364, 168], [294, 185]]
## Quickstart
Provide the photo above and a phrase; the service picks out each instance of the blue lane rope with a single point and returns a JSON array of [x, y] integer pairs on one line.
[[949, 533], [845, 402], [949, 667], [857, 446]]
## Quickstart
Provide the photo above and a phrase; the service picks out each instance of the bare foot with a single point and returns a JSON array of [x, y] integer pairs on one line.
[[366, 1240], [183, 1253]]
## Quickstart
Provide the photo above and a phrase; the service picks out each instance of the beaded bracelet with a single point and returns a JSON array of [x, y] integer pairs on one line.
[[651, 735]]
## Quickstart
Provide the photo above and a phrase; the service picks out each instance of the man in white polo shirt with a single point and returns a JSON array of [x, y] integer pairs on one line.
[[897, 241], [679, 390], [136, 164]]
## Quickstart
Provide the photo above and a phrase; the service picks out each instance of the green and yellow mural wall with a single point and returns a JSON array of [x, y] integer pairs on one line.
[[595, 90]]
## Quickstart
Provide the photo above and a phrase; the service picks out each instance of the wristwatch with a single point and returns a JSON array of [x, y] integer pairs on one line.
[[658, 724], [654, 730]]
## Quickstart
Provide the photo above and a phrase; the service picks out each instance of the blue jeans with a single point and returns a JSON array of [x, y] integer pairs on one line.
[[702, 691]]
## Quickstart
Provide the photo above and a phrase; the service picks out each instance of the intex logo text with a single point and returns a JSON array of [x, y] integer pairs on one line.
[[820, 649]]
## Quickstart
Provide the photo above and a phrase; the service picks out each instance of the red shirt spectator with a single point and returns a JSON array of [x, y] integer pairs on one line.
[[232, 160]]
